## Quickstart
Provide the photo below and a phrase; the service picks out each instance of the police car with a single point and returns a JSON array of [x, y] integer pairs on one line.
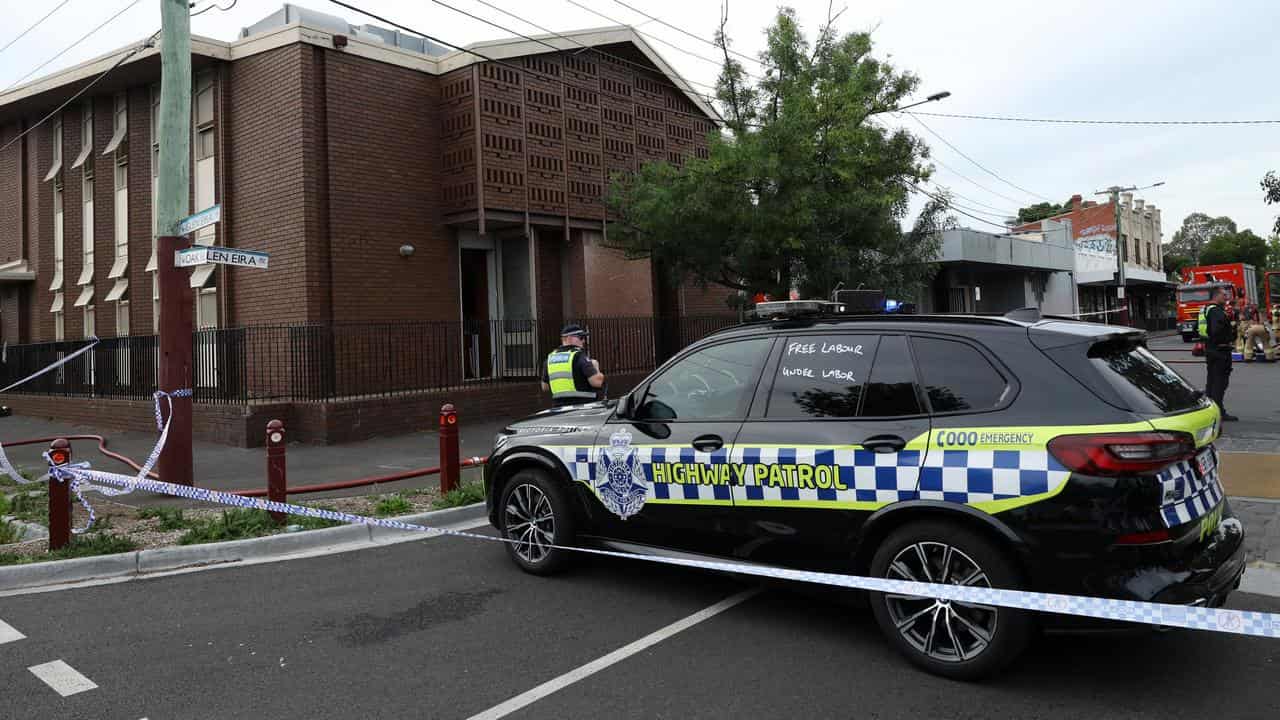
[[1019, 452]]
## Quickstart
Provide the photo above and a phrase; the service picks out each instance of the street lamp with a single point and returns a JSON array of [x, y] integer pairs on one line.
[[932, 98], [1114, 191]]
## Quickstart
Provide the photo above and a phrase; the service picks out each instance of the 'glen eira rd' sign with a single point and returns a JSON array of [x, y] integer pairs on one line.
[[200, 255]]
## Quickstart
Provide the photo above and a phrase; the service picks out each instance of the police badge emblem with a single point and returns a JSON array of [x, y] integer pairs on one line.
[[620, 482]]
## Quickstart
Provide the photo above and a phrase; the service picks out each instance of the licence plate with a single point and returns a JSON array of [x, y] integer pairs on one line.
[[1207, 463]]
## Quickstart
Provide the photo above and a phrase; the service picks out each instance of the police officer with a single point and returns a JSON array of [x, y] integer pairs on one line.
[[1215, 327], [570, 375]]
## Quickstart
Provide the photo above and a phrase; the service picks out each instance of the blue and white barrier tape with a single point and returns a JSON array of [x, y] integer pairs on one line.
[[1240, 622], [5, 466]]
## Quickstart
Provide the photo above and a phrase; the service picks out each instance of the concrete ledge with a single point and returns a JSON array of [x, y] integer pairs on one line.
[[142, 562]]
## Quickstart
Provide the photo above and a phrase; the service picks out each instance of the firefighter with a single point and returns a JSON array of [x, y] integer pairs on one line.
[[1215, 328], [1252, 332], [569, 374]]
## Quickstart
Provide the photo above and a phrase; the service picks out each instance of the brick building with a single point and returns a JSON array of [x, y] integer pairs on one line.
[[390, 179], [1148, 293]]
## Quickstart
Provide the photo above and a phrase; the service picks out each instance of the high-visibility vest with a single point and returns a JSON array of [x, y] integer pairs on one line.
[[1202, 325], [560, 376]]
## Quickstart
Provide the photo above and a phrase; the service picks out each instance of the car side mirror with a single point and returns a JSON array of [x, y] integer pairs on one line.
[[623, 408]]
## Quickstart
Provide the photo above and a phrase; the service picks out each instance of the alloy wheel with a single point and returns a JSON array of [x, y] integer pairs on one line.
[[530, 522], [945, 630]]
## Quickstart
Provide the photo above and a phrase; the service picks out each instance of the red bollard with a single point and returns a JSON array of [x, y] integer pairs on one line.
[[449, 470], [277, 487], [59, 498]]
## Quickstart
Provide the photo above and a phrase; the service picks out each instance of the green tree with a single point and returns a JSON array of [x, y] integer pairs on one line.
[[800, 190], [1273, 252], [1041, 210], [1196, 232], [1173, 262], [1271, 194], [1243, 246]]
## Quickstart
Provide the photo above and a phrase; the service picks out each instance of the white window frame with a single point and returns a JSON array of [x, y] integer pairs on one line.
[[86, 137], [58, 240], [152, 265], [55, 167], [86, 235]]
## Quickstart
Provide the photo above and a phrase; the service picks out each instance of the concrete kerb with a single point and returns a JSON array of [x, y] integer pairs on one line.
[[143, 562]]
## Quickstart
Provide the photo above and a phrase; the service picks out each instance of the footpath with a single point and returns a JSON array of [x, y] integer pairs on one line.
[[220, 467]]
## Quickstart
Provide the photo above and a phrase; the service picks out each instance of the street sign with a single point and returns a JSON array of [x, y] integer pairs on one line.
[[204, 218], [188, 257]]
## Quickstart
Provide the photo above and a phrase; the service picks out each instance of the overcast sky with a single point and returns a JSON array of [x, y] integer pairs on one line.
[[1137, 60]]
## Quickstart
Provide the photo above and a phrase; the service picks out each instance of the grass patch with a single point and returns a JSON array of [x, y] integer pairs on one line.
[[169, 518], [392, 505], [9, 533], [466, 494], [32, 506], [80, 546], [4, 504], [241, 523]]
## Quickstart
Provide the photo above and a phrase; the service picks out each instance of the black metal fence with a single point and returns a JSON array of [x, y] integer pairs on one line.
[[326, 362]]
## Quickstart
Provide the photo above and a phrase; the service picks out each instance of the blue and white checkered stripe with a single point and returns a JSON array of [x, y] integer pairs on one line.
[[1240, 622], [962, 476], [1187, 494], [973, 476]]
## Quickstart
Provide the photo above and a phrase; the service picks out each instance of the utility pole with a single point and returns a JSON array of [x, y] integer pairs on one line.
[[1122, 248], [172, 202]]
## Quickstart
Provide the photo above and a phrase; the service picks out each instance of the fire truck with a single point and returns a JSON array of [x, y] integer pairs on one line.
[[1198, 283]]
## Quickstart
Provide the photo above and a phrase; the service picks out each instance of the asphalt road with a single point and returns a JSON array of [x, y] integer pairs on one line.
[[1253, 395], [448, 628]]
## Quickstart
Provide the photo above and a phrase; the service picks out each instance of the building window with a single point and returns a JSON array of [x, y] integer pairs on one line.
[[122, 318], [155, 178], [204, 278], [86, 140], [55, 166], [58, 262]]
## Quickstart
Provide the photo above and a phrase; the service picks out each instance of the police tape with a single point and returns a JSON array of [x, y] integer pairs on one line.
[[6, 468], [1240, 622]]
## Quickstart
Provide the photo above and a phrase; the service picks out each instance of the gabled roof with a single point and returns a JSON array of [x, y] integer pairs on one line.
[[364, 41]]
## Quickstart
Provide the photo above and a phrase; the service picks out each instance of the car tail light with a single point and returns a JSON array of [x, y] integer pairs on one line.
[[1121, 453], [1144, 538]]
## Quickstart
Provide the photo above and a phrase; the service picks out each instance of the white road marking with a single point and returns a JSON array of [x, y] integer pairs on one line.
[[8, 633], [531, 696], [1260, 579], [62, 677]]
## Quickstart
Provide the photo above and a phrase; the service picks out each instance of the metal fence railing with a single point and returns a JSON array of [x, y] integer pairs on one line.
[[317, 362]]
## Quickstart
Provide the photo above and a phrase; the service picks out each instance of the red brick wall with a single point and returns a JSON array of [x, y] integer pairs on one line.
[[266, 188], [10, 194], [615, 286], [384, 192], [711, 300], [141, 317], [103, 218]]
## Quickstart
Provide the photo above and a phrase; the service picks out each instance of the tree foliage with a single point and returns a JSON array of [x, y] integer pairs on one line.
[[1271, 194], [800, 190], [1243, 246], [1041, 210], [1273, 252], [1174, 262], [1196, 232]]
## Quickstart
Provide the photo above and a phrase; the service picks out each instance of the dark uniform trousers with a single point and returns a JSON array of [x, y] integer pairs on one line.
[[1218, 369]]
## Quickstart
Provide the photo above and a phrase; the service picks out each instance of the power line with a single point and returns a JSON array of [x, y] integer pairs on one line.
[[33, 27], [84, 37], [655, 38], [999, 211], [682, 31], [1059, 121], [83, 90], [597, 51], [951, 206], [975, 162], [973, 182], [496, 61]]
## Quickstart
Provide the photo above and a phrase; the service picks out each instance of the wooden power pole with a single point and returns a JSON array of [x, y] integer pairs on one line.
[[172, 202]]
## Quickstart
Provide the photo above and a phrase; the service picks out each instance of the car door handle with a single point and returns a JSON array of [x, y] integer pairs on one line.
[[884, 443], [708, 443]]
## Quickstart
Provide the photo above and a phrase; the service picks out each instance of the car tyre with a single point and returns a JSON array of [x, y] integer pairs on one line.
[[963, 641], [537, 521]]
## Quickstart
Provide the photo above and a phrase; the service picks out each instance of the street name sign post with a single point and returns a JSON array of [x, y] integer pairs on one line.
[[189, 257], [202, 219]]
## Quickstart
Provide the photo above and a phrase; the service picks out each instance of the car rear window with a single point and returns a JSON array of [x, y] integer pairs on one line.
[[957, 377], [1142, 381]]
